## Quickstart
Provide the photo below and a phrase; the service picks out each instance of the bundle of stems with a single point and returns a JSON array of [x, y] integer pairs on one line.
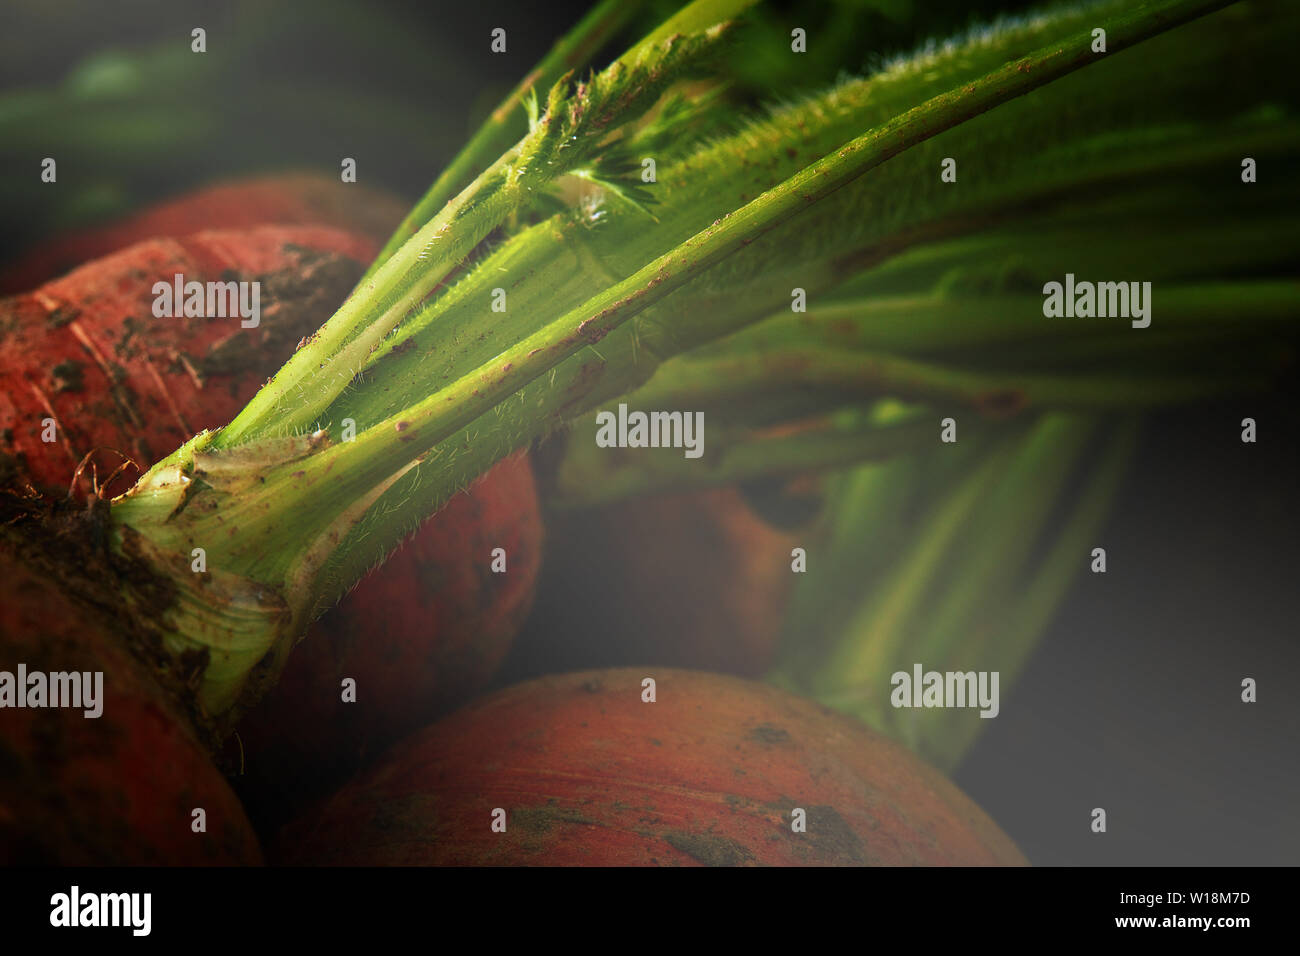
[[931, 559], [439, 384], [956, 559], [953, 559], [959, 573]]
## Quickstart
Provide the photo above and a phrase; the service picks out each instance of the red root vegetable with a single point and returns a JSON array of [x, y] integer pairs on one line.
[[419, 635], [120, 788], [587, 772], [87, 352], [303, 198]]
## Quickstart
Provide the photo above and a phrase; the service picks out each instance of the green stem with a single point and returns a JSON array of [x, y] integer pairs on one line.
[[974, 589], [875, 511], [278, 513], [561, 260], [732, 381], [560, 263], [722, 380], [395, 442], [1205, 314], [1009, 590], [589, 476], [568, 134], [1015, 616], [872, 638], [505, 124]]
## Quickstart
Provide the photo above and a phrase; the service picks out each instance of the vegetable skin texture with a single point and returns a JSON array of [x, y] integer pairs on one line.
[[589, 774], [88, 351], [429, 628], [114, 790]]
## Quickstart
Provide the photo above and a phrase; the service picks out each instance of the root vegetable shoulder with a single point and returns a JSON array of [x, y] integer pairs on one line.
[[293, 199], [86, 365], [581, 770]]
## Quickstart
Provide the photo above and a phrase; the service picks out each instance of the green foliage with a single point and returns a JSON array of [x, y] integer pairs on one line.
[[814, 194]]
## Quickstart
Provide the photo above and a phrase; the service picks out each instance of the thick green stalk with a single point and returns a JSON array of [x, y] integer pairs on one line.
[[1013, 615], [575, 260], [887, 627], [876, 509], [795, 366], [1202, 314], [394, 442], [562, 260], [1166, 235], [506, 123], [723, 380], [588, 475], [569, 133]]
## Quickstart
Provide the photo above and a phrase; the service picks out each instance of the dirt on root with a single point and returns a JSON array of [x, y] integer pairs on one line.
[[69, 543]]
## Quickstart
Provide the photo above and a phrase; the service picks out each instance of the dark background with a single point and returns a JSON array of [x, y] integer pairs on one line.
[[1132, 702]]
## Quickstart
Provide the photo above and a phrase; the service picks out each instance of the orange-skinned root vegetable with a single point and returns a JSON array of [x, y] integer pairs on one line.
[[87, 352], [292, 199], [586, 772], [418, 636], [120, 788], [164, 378]]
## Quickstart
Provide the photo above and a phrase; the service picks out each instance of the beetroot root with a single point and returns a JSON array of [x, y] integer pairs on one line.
[[421, 633], [116, 789], [87, 352], [587, 773]]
